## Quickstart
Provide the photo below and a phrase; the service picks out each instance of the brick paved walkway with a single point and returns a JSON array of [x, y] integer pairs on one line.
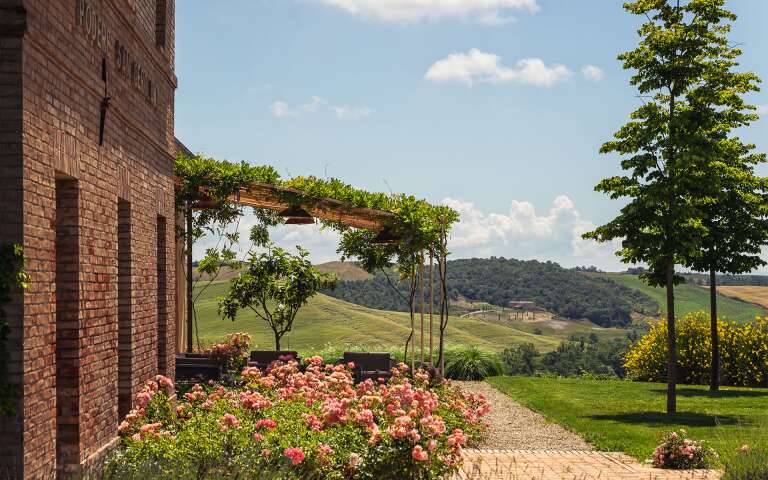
[[565, 465]]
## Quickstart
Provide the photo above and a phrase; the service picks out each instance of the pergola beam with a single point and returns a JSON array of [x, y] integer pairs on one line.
[[271, 197]]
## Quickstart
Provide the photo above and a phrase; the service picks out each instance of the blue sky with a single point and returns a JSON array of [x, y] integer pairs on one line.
[[496, 106]]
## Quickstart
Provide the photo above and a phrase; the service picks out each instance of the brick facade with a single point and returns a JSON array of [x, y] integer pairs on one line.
[[88, 330]]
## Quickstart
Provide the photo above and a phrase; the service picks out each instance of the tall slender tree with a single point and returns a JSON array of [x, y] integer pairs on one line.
[[735, 216], [737, 228], [664, 147]]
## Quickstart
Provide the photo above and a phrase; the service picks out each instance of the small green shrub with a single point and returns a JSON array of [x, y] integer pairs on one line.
[[470, 363], [520, 359], [749, 464], [743, 347]]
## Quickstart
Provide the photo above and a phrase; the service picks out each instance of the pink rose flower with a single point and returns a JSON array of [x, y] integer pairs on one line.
[[419, 454], [295, 454]]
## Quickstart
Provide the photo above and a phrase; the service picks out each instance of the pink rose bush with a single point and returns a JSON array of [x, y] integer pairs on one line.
[[232, 352], [679, 452], [287, 423]]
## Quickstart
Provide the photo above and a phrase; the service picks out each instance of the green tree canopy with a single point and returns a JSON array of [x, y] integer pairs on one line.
[[274, 286], [691, 101]]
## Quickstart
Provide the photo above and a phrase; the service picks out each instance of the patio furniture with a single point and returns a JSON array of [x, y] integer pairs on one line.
[[262, 358], [197, 367], [373, 365]]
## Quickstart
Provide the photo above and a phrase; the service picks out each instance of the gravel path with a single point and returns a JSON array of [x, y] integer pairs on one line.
[[515, 427]]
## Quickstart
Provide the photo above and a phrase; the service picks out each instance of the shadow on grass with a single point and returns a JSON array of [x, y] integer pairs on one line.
[[699, 393], [659, 419]]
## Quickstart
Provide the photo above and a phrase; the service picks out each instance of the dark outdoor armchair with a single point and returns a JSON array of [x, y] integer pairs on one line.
[[262, 358], [373, 365], [197, 367]]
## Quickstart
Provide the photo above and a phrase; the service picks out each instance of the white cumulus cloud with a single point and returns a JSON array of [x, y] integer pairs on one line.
[[490, 12], [521, 232], [477, 66], [281, 109], [592, 73], [352, 112], [525, 234]]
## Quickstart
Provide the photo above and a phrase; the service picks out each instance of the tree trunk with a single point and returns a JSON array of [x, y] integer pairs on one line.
[[190, 312], [277, 341], [671, 341], [714, 380]]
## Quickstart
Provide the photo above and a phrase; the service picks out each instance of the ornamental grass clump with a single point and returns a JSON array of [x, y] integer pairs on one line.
[[749, 464], [287, 424], [679, 452], [471, 363]]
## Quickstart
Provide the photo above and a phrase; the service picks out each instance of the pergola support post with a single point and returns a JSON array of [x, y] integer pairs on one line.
[[421, 306], [442, 266], [431, 303], [190, 272]]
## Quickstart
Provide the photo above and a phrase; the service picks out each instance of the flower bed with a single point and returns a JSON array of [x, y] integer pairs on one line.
[[284, 423], [232, 352], [677, 451]]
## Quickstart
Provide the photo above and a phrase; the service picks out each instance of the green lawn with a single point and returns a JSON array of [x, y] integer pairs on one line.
[[328, 321], [628, 416], [690, 298]]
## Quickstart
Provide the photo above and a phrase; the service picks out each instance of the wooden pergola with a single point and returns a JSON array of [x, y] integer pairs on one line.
[[273, 197]]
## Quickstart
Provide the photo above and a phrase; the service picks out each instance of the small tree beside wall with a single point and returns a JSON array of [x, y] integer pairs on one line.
[[274, 286]]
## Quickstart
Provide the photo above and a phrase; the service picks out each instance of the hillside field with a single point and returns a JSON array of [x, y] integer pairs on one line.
[[757, 295], [690, 298], [326, 321]]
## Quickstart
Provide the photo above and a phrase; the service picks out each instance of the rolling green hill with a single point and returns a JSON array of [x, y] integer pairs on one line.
[[329, 321], [689, 298], [499, 281]]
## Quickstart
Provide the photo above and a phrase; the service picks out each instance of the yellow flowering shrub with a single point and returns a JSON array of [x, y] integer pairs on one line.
[[743, 352]]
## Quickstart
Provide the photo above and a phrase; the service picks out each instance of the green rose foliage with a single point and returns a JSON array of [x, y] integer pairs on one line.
[[13, 276]]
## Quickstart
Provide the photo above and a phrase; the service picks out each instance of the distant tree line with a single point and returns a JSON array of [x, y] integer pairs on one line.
[[573, 358], [727, 280], [497, 280]]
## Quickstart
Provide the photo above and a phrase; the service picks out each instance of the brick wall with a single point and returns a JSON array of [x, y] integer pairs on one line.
[[51, 86], [11, 27]]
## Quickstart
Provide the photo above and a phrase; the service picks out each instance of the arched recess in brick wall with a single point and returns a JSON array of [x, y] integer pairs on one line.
[[162, 295], [68, 325]]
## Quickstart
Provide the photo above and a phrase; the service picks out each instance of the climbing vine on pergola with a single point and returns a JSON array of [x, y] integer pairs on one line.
[[414, 230]]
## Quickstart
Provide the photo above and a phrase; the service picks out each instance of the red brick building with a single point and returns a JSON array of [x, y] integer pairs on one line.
[[86, 147]]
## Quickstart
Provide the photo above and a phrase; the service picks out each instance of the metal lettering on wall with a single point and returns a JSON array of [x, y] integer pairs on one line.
[[130, 68], [134, 73], [92, 24]]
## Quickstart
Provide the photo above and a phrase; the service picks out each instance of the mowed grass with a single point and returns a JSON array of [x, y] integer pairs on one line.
[[628, 416], [326, 321], [690, 298]]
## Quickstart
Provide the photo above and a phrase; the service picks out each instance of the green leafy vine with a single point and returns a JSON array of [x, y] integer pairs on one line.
[[13, 276]]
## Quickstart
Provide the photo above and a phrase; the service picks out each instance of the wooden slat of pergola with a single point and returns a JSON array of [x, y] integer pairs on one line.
[[271, 197]]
